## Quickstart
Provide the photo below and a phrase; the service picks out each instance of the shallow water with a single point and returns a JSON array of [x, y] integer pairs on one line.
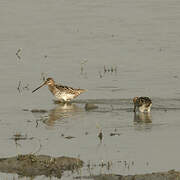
[[138, 39]]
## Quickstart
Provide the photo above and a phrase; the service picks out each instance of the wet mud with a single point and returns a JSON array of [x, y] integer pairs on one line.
[[36, 165], [90, 106], [170, 175]]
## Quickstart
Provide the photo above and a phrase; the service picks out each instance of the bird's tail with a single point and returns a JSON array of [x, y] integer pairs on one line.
[[82, 90]]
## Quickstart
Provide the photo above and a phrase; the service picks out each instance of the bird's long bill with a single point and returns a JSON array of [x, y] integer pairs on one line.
[[39, 87]]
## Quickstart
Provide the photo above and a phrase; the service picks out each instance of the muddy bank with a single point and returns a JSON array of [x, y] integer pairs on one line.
[[170, 175], [32, 165]]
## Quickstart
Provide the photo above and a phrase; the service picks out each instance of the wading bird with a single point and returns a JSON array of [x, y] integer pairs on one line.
[[142, 103], [62, 93]]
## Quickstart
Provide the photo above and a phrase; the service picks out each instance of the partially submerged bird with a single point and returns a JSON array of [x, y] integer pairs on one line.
[[62, 93], [142, 103]]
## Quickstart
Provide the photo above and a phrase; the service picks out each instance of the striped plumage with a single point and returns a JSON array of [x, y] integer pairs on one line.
[[142, 103], [62, 93]]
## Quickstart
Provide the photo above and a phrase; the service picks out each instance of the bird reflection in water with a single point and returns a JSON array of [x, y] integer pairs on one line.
[[142, 121], [60, 112], [141, 117]]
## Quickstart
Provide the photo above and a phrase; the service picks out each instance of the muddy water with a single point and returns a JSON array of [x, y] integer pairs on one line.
[[72, 41]]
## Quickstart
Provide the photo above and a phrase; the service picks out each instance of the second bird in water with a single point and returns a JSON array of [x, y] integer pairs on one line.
[[142, 103]]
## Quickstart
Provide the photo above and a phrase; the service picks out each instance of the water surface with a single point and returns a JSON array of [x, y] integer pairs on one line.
[[138, 39]]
